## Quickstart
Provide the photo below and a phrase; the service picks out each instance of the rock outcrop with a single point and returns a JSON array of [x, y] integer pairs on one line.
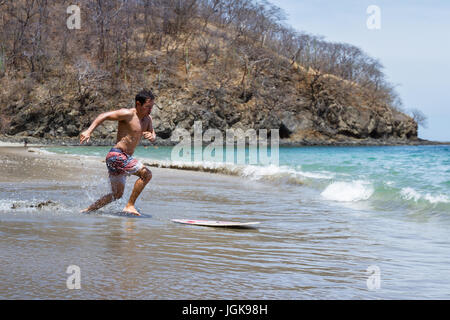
[[302, 123]]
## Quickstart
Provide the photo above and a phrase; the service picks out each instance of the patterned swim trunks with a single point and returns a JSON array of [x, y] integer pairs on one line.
[[121, 164]]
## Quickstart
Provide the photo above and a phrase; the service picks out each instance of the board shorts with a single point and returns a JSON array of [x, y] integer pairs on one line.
[[120, 165]]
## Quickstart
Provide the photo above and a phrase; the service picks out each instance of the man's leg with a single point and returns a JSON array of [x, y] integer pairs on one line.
[[145, 175], [117, 187]]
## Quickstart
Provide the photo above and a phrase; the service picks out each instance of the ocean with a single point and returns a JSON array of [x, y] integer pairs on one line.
[[336, 223], [403, 180]]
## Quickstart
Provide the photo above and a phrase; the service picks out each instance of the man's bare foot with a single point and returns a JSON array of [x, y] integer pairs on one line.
[[131, 210], [85, 210]]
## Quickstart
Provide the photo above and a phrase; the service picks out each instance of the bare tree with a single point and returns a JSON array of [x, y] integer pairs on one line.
[[88, 79], [250, 70], [242, 47], [419, 117], [208, 47]]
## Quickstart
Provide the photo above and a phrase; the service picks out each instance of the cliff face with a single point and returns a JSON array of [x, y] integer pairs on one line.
[[298, 121], [299, 124]]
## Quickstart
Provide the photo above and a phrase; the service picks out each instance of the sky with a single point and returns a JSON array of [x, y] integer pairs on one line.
[[412, 43]]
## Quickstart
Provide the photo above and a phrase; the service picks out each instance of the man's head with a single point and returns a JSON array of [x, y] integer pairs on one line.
[[144, 101]]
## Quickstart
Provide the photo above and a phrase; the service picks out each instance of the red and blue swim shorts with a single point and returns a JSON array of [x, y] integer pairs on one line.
[[121, 164]]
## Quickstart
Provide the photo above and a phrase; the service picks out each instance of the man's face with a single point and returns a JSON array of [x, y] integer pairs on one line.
[[147, 106]]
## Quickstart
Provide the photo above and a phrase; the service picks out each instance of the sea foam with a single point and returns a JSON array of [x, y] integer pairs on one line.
[[252, 172], [411, 194], [348, 191]]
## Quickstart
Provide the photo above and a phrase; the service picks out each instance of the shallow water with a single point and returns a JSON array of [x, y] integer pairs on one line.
[[307, 247], [402, 178]]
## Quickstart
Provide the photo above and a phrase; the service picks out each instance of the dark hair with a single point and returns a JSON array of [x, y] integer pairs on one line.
[[143, 95]]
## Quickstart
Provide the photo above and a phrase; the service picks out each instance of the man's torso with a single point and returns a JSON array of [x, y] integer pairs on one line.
[[129, 133]]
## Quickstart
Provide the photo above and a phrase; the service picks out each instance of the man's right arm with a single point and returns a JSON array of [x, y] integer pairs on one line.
[[117, 115]]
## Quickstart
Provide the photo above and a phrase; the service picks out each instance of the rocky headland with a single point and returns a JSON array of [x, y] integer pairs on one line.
[[202, 67]]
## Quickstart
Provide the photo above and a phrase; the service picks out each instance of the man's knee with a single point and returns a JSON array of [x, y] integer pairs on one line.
[[147, 175]]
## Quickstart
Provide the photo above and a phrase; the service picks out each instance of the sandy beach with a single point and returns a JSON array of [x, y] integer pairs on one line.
[[120, 257], [305, 248]]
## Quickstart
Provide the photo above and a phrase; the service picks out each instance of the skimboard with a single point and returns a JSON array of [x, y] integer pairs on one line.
[[222, 224]]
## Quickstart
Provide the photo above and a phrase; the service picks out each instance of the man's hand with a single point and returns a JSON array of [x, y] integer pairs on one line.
[[85, 136], [151, 136]]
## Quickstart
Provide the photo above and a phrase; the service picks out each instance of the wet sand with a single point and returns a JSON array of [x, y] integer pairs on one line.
[[302, 250]]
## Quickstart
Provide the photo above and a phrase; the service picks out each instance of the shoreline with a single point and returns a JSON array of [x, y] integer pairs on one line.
[[35, 151], [41, 142], [86, 165]]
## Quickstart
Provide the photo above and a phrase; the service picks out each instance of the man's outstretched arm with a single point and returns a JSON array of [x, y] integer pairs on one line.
[[117, 115]]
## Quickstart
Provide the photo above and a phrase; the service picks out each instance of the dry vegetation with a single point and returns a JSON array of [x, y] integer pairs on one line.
[[201, 49]]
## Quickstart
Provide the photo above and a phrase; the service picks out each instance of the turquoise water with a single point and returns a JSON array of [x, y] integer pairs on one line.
[[404, 179]]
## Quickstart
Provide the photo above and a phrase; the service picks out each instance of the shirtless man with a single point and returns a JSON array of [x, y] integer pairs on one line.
[[133, 124]]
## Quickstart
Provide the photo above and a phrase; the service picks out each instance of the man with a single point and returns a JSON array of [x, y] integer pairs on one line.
[[133, 124]]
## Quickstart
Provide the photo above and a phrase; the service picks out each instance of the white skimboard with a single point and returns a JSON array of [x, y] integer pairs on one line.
[[223, 224]]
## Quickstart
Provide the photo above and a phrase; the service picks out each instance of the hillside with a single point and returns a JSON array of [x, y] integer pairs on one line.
[[227, 63]]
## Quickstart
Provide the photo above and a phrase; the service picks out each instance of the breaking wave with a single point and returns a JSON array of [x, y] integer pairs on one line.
[[337, 175], [411, 194], [329, 184], [348, 191], [281, 174]]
